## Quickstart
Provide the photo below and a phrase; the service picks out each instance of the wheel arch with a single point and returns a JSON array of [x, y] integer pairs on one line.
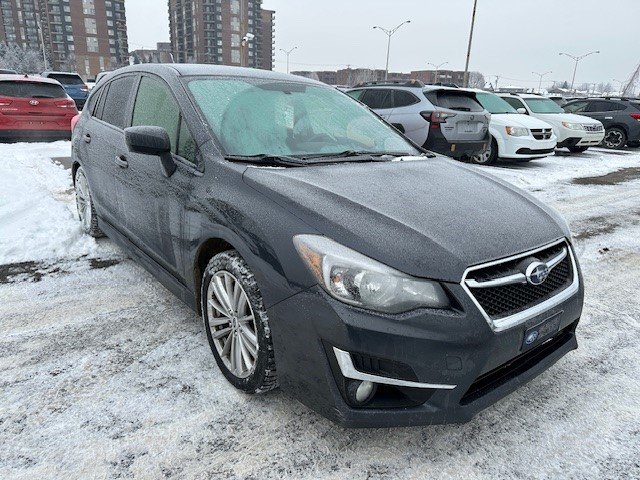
[[621, 126], [74, 169], [205, 252]]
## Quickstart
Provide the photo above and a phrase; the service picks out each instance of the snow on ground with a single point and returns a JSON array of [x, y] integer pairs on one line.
[[35, 208], [104, 374]]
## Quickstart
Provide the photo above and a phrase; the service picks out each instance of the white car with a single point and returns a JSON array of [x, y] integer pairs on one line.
[[514, 136], [575, 132]]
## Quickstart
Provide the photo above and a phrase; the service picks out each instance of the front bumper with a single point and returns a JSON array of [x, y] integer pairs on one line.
[[528, 147], [455, 351], [586, 140]]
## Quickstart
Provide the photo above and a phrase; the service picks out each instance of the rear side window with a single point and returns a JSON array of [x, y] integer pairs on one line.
[[93, 100], [31, 90], [453, 100], [66, 79], [605, 106], [402, 98], [114, 103], [155, 106], [378, 98]]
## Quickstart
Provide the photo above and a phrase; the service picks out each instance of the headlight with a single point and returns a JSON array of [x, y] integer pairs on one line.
[[573, 126], [517, 131], [357, 280]]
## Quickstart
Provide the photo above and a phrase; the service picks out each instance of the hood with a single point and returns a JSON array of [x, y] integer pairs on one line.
[[517, 120], [430, 218], [565, 117]]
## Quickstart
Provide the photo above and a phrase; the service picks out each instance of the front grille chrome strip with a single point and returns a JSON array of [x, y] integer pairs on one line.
[[498, 282], [516, 277], [501, 324]]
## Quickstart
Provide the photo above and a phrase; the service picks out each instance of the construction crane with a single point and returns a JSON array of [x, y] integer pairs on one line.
[[632, 84]]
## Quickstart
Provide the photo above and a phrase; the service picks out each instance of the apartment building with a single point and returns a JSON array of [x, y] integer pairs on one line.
[[87, 36], [223, 32]]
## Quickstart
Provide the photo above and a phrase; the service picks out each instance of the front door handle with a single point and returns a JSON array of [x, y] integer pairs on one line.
[[121, 161], [87, 138]]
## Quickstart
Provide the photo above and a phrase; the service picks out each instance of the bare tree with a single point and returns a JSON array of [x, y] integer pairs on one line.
[[476, 80], [13, 57]]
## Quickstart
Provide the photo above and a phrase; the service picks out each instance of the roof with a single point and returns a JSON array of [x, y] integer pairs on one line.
[[27, 78], [187, 69], [75, 74]]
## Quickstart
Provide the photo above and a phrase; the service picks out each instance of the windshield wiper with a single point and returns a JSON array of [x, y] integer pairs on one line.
[[377, 156], [268, 160]]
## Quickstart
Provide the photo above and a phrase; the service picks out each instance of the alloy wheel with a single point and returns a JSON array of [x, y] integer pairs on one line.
[[83, 200], [614, 139], [232, 324]]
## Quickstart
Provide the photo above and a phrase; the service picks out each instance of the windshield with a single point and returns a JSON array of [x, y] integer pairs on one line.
[[543, 105], [253, 117], [494, 104]]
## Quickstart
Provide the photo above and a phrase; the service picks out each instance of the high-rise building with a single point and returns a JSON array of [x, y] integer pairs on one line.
[[224, 32], [267, 40], [87, 36]]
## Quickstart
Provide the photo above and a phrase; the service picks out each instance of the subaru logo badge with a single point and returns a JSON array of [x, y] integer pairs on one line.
[[532, 337], [34, 102], [537, 273]]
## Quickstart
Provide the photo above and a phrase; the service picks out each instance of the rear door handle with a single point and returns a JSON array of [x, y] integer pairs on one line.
[[87, 138], [121, 161]]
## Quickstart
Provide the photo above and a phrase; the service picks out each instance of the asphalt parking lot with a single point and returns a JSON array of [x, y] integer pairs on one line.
[[105, 374]]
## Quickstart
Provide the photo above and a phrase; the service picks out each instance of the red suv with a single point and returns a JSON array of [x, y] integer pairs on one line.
[[34, 108]]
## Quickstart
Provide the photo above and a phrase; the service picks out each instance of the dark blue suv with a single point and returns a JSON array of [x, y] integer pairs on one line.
[[73, 85]]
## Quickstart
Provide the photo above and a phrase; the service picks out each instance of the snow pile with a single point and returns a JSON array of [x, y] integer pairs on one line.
[[37, 211]]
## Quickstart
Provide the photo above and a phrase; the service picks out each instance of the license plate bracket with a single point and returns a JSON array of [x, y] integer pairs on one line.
[[538, 334]]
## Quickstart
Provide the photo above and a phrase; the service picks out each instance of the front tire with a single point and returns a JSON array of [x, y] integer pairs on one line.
[[578, 149], [237, 325], [84, 204], [614, 138]]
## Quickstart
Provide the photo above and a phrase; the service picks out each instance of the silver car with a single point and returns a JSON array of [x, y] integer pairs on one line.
[[446, 120]]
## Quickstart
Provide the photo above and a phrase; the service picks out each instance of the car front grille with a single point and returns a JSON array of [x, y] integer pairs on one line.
[[517, 296], [593, 127], [542, 133]]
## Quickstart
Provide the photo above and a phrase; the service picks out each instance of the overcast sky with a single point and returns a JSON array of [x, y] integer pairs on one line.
[[512, 37]]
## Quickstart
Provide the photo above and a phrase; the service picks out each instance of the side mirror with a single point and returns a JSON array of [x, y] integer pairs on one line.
[[151, 141], [522, 110]]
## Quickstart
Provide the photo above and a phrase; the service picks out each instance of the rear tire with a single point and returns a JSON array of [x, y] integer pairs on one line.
[[237, 325], [489, 157], [84, 204], [614, 138], [578, 149]]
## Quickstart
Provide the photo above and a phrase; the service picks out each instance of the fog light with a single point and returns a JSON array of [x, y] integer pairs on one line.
[[360, 392]]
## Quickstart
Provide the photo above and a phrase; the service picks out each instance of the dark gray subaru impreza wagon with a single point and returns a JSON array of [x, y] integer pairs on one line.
[[376, 283]]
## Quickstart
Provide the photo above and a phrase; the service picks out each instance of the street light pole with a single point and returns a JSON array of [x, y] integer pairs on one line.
[[473, 22], [540, 75], [437, 68], [575, 67], [389, 33], [288, 52], [44, 52]]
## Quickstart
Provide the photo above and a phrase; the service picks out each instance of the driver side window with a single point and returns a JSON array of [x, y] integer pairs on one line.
[[155, 106]]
